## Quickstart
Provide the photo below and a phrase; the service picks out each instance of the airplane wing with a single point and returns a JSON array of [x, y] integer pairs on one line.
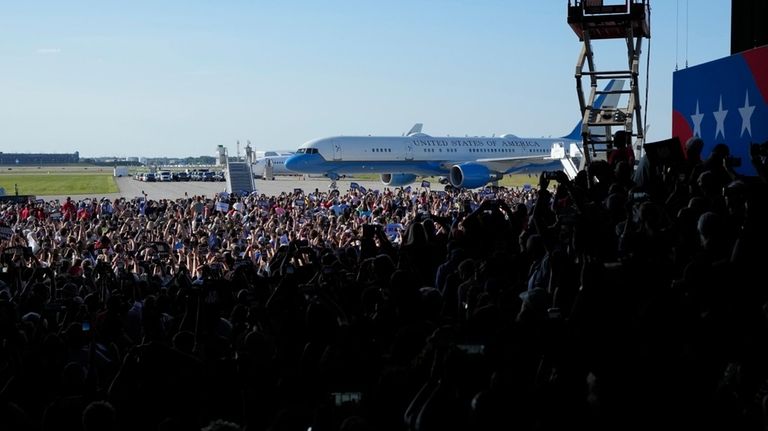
[[509, 164]]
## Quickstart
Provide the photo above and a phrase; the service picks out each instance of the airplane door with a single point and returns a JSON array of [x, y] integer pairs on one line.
[[409, 150], [336, 149]]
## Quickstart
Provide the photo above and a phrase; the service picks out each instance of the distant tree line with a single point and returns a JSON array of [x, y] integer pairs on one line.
[[199, 160]]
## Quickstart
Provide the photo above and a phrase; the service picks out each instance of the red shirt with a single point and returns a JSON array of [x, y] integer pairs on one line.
[[618, 154], [68, 210]]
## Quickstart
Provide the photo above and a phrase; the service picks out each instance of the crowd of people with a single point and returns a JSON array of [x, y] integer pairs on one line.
[[622, 299]]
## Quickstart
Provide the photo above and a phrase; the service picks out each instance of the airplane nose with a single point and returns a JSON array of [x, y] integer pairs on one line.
[[292, 163]]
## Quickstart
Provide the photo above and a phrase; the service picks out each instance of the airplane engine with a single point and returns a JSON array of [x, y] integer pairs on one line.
[[397, 180], [471, 176]]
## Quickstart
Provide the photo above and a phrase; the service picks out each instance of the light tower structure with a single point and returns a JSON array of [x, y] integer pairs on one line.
[[221, 156], [627, 21]]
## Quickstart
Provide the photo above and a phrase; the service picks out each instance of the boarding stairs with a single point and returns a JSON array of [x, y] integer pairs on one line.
[[239, 177], [570, 158], [627, 20]]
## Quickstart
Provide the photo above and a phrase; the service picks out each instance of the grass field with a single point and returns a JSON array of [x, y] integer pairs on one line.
[[58, 181]]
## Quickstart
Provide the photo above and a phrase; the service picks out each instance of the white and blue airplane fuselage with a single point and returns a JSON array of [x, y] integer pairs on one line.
[[468, 162]]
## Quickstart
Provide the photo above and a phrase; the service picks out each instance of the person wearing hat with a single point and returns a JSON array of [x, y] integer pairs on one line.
[[719, 163]]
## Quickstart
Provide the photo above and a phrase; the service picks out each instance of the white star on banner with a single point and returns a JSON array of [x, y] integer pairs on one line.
[[720, 118], [697, 117], [746, 116]]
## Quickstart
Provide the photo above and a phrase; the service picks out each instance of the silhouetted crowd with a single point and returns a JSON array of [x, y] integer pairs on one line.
[[622, 299]]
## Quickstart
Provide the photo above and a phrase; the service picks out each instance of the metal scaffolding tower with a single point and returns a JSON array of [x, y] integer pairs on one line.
[[595, 20]]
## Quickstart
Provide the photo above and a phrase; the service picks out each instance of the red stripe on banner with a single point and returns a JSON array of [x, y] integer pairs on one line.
[[757, 60], [681, 128]]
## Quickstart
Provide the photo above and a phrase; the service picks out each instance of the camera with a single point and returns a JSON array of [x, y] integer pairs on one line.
[[639, 196], [554, 314], [54, 306]]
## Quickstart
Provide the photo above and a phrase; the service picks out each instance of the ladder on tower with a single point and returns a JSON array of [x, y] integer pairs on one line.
[[591, 20]]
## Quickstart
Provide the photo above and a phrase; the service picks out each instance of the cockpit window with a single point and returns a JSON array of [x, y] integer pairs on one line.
[[300, 151]]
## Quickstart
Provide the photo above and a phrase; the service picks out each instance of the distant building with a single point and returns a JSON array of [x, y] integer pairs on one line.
[[38, 158]]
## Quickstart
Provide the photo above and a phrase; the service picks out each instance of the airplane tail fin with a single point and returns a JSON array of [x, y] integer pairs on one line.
[[415, 129], [603, 100], [575, 133]]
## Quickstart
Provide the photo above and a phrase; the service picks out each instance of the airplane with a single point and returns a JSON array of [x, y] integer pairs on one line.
[[468, 162], [275, 158]]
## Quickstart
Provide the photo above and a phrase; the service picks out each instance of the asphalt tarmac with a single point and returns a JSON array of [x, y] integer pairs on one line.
[[130, 188]]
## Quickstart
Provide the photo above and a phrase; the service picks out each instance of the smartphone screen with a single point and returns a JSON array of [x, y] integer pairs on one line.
[[341, 398]]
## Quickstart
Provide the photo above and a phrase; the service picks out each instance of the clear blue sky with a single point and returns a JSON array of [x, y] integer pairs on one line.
[[178, 78]]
